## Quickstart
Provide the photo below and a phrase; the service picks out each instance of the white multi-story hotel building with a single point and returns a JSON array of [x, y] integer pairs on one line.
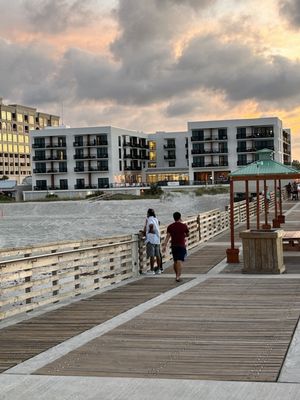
[[87, 158], [168, 157], [101, 157], [219, 147]]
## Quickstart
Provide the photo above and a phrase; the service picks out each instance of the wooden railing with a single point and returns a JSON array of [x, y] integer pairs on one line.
[[39, 275], [31, 281]]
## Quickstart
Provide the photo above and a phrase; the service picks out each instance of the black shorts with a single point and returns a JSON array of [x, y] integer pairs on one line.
[[178, 253]]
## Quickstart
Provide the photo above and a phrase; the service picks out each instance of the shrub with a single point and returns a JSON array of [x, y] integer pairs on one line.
[[51, 196], [94, 194], [211, 190], [154, 190]]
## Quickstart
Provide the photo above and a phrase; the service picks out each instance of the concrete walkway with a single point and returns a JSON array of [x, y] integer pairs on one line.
[[215, 336]]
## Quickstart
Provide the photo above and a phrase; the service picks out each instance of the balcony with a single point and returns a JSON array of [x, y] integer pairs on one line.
[[94, 143], [57, 188], [133, 168], [85, 187], [170, 146], [38, 145], [89, 157], [223, 164], [197, 138], [201, 151], [39, 171], [91, 169], [239, 163], [198, 165], [244, 150], [40, 188], [56, 146], [170, 157]]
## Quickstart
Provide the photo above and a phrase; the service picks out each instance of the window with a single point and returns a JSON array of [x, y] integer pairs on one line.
[[31, 119], [41, 185], [62, 167], [63, 184], [102, 152], [119, 140], [103, 183], [19, 117], [21, 138], [8, 116], [79, 184], [3, 114]]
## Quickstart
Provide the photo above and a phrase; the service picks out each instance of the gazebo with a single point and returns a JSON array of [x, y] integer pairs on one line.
[[263, 169]]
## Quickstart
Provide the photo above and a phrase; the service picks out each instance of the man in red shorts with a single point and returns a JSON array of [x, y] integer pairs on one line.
[[177, 231]]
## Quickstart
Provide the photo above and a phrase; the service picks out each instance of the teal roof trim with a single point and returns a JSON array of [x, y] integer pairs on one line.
[[264, 167]]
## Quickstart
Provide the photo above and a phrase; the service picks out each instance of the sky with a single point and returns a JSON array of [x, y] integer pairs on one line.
[[153, 65]]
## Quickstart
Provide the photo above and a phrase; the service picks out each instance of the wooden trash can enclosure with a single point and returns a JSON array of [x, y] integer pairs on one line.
[[262, 251]]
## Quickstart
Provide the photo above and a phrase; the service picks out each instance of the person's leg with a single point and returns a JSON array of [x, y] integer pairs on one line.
[[177, 268], [152, 263], [150, 255]]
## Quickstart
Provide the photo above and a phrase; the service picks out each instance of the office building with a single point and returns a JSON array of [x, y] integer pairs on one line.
[[16, 122]]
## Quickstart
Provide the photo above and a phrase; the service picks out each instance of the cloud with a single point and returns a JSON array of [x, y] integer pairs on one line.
[[291, 10], [180, 107], [56, 16], [24, 70]]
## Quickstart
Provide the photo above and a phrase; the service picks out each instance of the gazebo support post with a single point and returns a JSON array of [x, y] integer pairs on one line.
[[275, 222], [281, 217], [266, 225], [257, 205], [247, 203], [232, 253]]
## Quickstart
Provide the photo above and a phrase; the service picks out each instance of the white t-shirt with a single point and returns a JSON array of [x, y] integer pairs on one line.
[[153, 238]]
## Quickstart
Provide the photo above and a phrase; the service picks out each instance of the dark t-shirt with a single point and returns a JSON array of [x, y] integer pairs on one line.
[[178, 232]]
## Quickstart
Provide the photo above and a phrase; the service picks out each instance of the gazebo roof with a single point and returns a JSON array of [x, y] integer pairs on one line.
[[265, 168]]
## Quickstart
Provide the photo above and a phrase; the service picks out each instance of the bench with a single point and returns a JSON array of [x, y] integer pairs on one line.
[[291, 241]]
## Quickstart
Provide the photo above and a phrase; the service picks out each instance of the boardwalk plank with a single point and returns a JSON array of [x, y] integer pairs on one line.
[[221, 329]]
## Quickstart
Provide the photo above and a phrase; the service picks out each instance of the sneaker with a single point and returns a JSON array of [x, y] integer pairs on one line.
[[158, 272], [150, 272], [161, 270]]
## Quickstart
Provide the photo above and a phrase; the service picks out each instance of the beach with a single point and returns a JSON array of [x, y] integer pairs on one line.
[[24, 224]]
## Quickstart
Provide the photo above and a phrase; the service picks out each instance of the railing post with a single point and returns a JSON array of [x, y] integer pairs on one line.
[[135, 254]]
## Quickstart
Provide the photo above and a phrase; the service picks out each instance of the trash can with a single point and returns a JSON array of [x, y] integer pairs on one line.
[[262, 251]]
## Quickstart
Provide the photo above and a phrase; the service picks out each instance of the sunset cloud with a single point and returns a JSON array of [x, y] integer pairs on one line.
[[153, 65]]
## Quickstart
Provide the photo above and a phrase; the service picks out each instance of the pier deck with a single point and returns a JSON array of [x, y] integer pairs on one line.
[[216, 335]]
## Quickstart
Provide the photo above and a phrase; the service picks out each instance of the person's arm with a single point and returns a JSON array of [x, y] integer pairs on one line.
[[187, 232], [164, 246]]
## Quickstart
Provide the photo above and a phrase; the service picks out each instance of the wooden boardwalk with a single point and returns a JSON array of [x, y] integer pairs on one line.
[[228, 327]]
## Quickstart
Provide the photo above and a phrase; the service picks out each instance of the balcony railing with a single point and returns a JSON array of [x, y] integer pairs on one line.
[[133, 168], [85, 187], [169, 146], [91, 169], [91, 144], [170, 157], [89, 157], [201, 151]]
